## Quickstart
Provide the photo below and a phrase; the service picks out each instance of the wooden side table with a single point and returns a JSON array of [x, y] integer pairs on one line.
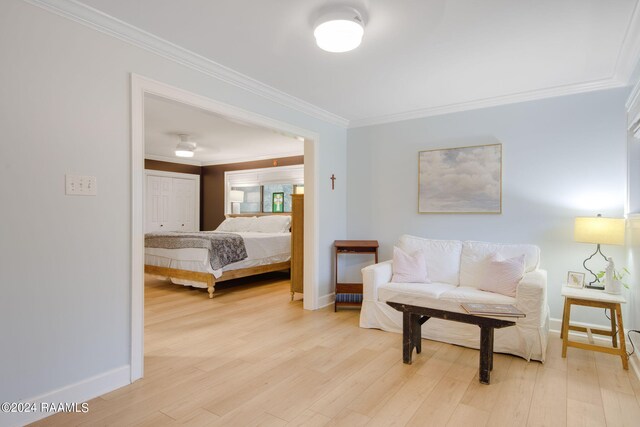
[[350, 294], [598, 299]]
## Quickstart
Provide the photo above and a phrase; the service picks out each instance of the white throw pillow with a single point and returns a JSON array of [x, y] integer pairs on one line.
[[272, 224], [441, 256], [502, 275], [409, 268], [237, 224]]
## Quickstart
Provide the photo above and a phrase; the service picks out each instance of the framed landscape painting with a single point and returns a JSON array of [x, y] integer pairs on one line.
[[460, 180]]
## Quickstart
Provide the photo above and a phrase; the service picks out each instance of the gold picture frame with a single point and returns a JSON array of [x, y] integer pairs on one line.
[[575, 279], [466, 180]]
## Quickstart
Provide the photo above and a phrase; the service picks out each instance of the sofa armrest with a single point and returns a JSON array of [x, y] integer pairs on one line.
[[374, 276], [531, 296]]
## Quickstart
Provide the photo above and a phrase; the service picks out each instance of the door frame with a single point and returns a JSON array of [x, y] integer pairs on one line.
[[141, 86]]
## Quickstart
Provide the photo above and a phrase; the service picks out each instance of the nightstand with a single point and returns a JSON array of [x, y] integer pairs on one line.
[[350, 294], [597, 299]]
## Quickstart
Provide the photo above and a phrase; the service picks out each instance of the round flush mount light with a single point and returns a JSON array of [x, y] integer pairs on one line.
[[185, 147], [339, 30]]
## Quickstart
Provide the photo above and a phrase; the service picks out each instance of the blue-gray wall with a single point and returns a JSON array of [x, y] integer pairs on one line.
[[562, 157]]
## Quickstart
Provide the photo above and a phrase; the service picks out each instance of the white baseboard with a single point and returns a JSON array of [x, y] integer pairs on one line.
[[326, 300], [74, 393], [634, 359]]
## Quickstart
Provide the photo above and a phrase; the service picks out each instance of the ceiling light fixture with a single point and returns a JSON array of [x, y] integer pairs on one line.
[[339, 30], [185, 147]]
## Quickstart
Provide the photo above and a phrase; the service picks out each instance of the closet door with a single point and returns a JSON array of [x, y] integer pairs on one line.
[[158, 206], [184, 204]]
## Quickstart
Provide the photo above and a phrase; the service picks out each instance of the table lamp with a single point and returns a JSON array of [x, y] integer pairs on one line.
[[236, 197], [601, 231]]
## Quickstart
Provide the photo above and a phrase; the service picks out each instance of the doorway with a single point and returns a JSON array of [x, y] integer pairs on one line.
[[142, 86]]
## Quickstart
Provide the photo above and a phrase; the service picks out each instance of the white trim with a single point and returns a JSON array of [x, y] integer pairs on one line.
[[139, 87], [121, 30], [633, 96], [327, 300], [107, 24], [178, 160], [556, 324], [252, 159], [490, 102], [630, 49], [193, 176], [79, 392]]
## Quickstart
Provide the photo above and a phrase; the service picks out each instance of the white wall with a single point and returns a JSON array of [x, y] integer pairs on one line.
[[66, 261], [562, 157]]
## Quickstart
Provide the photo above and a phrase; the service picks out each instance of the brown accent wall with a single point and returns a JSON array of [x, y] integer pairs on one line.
[[172, 167], [212, 186]]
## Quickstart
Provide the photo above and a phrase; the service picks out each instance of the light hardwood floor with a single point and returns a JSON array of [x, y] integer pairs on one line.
[[250, 357]]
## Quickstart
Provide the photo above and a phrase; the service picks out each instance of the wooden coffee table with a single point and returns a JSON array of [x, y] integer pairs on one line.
[[414, 316]]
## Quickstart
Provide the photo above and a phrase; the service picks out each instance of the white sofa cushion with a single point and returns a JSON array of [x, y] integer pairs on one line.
[[409, 268], [427, 291], [503, 275], [474, 258], [442, 257], [462, 294]]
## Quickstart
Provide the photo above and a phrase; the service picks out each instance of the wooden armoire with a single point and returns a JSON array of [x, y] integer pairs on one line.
[[297, 244]]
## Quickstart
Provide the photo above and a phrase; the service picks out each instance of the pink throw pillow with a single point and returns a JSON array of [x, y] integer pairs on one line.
[[503, 275], [409, 268]]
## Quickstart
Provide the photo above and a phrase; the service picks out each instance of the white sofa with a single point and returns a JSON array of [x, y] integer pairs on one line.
[[455, 269]]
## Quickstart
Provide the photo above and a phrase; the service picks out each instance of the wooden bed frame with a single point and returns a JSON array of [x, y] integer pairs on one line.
[[209, 278]]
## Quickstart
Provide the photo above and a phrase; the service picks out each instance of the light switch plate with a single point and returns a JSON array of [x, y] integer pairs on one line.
[[81, 185]]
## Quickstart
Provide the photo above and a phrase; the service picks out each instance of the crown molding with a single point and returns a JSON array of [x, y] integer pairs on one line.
[[121, 30], [490, 102], [97, 20], [629, 52], [252, 158], [176, 159]]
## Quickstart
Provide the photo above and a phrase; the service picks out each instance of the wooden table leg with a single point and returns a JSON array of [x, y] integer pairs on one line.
[[623, 346], [407, 337], [614, 336], [491, 349], [562, 325], [485, 354], [565, 326], [416, 330]]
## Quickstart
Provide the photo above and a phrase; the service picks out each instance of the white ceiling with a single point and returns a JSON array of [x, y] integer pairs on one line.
[[219, 140], [416, 56]]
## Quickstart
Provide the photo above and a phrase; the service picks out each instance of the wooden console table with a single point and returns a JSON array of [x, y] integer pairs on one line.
[[350, 294]]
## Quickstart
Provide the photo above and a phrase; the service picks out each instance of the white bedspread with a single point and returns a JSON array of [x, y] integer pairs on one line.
[[262, 249]]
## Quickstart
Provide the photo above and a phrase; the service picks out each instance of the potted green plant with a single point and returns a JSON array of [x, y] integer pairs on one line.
[[614, 285]]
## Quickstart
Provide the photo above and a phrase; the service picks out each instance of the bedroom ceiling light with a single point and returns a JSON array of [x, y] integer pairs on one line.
[[185, 147], [339, 30]]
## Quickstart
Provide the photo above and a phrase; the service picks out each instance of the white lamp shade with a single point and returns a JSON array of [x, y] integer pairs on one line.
[[599, 230], [300, 189], [236, 196]]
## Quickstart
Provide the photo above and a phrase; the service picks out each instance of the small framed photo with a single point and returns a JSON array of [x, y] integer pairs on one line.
[[575, 279]]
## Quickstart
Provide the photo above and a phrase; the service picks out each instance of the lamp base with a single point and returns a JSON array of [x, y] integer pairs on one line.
[[600, 288], [235, 207]]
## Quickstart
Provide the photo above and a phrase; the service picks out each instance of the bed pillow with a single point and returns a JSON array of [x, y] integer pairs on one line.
[[409, 268], [502, 275], [272, 224], [237, 224]]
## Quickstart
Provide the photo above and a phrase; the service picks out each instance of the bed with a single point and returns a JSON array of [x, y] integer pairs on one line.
[[187, 259]]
